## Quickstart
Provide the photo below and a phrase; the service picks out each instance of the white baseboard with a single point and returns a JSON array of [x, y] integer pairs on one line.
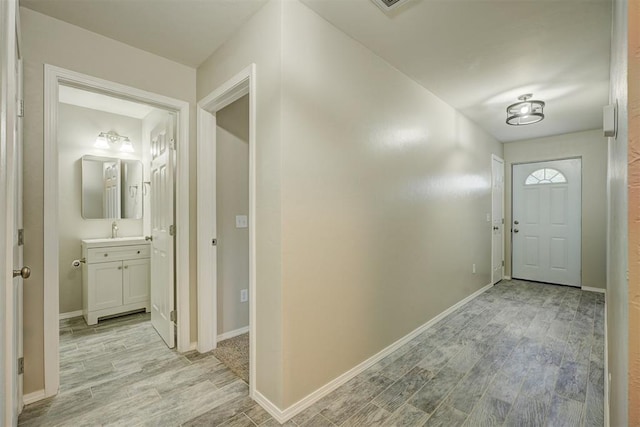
[[233, 333], [506, 278], [70, 314], [33, 397], [606, 370], [193, 346], [590, 289], [283, 416]]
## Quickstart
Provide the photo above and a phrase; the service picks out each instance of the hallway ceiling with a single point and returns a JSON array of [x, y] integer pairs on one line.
[[479, 56], [476, 55]]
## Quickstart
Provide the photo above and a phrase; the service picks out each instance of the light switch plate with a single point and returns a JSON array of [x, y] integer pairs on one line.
[[242, 221]]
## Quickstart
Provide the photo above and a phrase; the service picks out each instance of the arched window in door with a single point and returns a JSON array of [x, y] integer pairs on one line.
[[545, 176]]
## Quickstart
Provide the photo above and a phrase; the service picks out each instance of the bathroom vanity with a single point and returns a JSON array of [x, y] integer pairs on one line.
[[115, 277]]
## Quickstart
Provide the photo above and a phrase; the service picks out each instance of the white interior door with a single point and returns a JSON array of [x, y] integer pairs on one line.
[[162, 226], [547, 217], [497, 219], [11, 236]]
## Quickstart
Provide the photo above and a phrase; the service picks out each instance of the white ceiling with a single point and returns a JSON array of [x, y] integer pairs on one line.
[[479, 56], [100, 102], [186, 31], [476, 55]]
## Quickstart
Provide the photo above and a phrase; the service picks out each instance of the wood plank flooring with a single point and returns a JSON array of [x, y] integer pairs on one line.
[[520, 354]]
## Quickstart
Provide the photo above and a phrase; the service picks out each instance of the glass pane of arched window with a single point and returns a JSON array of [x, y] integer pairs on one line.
[[545, 176]]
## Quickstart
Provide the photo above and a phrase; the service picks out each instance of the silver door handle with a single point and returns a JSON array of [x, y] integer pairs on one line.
[[515, 230], [148, 238], [24, 272]]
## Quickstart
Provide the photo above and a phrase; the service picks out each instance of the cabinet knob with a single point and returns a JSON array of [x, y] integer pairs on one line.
[[120, 268], [106, 255], [126, 266]]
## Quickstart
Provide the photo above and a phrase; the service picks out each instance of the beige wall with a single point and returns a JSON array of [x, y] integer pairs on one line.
[[259, 41], [50, 41], [232, 198], [77, 130], [591, 147], [617, 252], [385, 193], [634, 214]]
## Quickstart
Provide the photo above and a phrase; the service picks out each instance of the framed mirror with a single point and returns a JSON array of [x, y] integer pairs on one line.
[[111, 188]]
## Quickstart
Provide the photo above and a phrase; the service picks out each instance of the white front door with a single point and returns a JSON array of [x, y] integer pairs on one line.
[[162, 227], [497, 219], [547, 217]]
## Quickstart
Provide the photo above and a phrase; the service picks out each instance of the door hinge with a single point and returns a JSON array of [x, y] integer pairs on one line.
[[172, 230], [503, 263], [214, 242], [503, 220], [21, 365], [173, 316], [172, 143], [21, 237], [20, 108]]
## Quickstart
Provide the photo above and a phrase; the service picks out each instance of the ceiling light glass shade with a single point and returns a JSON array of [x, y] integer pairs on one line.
[[101, 142], [127, 146], [526, 112]]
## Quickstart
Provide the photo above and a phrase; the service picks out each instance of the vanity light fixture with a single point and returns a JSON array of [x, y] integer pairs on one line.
[[104, 140], [525, 112]]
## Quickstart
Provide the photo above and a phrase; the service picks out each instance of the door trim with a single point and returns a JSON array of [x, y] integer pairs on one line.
[[241, 84], [501, 160], [53, 77]]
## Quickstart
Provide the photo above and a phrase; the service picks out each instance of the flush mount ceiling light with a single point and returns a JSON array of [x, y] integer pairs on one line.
[[105, 139], [525, 112]]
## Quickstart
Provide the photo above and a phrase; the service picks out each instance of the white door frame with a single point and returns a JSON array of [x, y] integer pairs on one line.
[[53, 77], [501, 160], [241, 84]]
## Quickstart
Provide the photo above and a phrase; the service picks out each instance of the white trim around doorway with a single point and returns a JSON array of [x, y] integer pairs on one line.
[[241, 84], [53, 77], [500, 160]]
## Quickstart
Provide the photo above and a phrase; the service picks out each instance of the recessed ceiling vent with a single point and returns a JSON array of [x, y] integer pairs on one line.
[[388, 5]]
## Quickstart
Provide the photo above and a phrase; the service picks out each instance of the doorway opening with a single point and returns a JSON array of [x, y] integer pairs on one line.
[[116, 190], [226, 223], [547, 221]]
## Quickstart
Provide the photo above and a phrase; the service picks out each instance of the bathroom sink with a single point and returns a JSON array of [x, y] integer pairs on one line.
[[116, 241]]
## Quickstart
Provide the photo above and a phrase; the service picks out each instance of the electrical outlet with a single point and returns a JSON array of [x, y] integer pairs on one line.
[[473, 268], [242, 221], [244, 295]]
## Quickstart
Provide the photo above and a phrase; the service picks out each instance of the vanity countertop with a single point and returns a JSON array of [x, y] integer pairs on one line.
[[117, 241]]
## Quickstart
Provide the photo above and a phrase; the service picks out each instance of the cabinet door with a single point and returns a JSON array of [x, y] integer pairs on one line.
[[105, 285], [136, 281]]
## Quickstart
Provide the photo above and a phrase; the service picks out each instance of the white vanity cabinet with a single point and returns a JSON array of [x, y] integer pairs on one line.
[[115, 277]]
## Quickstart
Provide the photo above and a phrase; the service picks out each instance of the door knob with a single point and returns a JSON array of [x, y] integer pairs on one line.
[[516, 222], [24, 272], [148, 238], [515, 230]]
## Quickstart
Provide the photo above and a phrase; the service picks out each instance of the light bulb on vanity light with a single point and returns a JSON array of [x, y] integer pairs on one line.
[[127, 146], [101, 141]]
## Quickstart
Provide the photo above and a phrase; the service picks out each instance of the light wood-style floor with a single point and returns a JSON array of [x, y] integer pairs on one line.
[[520, 354], [120, 372]]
